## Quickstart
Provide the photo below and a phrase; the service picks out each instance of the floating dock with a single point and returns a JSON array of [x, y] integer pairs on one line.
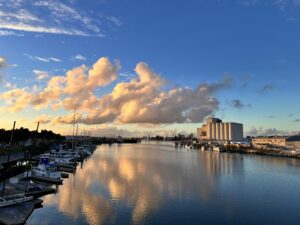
[[35, 190], [18, 214], [44, 179]]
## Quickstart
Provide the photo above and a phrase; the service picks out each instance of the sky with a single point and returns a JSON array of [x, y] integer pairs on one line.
[[152, 67]]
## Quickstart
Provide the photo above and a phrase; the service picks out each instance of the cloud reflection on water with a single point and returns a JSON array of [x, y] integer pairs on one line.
[[142, 177]]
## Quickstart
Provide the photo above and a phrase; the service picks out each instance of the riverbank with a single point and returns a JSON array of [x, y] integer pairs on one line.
[[267, 151]]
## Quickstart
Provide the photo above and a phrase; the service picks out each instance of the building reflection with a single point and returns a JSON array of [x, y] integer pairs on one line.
[[141, 179]]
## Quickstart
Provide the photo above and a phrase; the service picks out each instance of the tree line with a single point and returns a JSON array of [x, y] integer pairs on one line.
[[23, 134]]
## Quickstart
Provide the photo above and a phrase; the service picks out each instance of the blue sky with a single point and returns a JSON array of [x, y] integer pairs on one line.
[[254, 43]]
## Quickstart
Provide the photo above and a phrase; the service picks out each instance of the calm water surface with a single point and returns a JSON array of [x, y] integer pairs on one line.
[[158, 184]]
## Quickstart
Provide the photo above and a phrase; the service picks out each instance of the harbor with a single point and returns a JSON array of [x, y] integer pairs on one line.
[[27, 180], [133, 183]]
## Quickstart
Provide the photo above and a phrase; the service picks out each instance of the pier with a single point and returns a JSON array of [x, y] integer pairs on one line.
[[18, 214]]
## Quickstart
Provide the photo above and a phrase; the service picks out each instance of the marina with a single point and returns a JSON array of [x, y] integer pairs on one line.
[[20, 194], [181, 185]]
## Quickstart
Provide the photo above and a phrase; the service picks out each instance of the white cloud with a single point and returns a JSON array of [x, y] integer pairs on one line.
[[21, 14], [42, 59], [79, 57], [41, 75], [10, 33], [281, 4], [114, 20], [54, 17], [19, 26]]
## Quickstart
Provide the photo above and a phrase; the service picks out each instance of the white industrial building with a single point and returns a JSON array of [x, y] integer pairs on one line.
[[216, 130]]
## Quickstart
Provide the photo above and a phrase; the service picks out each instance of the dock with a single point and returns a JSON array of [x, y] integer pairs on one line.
[[30, 189], [44, 179], [63, 167], [18, 214]]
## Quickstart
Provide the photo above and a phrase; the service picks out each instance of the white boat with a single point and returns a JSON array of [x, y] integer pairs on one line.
[[218, 148], [189, 146], [87, 150], [61, 156], [42, 171], [14, 199]]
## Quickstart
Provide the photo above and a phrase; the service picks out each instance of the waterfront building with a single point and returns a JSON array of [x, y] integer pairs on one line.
[[214, 130], [285, 141]]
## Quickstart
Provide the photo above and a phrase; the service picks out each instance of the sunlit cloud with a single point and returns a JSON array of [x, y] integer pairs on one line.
[[143, 99], [43, 119]]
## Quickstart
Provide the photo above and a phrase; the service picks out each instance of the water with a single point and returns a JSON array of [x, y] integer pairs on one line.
[[158, 184]]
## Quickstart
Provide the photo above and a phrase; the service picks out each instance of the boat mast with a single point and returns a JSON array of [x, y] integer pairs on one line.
[[76, 135], [74, 120], [33, 144]]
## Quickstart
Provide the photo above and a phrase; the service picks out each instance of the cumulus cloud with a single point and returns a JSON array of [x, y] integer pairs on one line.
[[144, 99], [236, 103], [74, 89]]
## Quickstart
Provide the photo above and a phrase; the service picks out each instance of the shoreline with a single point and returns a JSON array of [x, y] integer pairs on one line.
[[274, 153]]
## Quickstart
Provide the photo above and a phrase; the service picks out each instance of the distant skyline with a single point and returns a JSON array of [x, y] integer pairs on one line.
[[150, 67]]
